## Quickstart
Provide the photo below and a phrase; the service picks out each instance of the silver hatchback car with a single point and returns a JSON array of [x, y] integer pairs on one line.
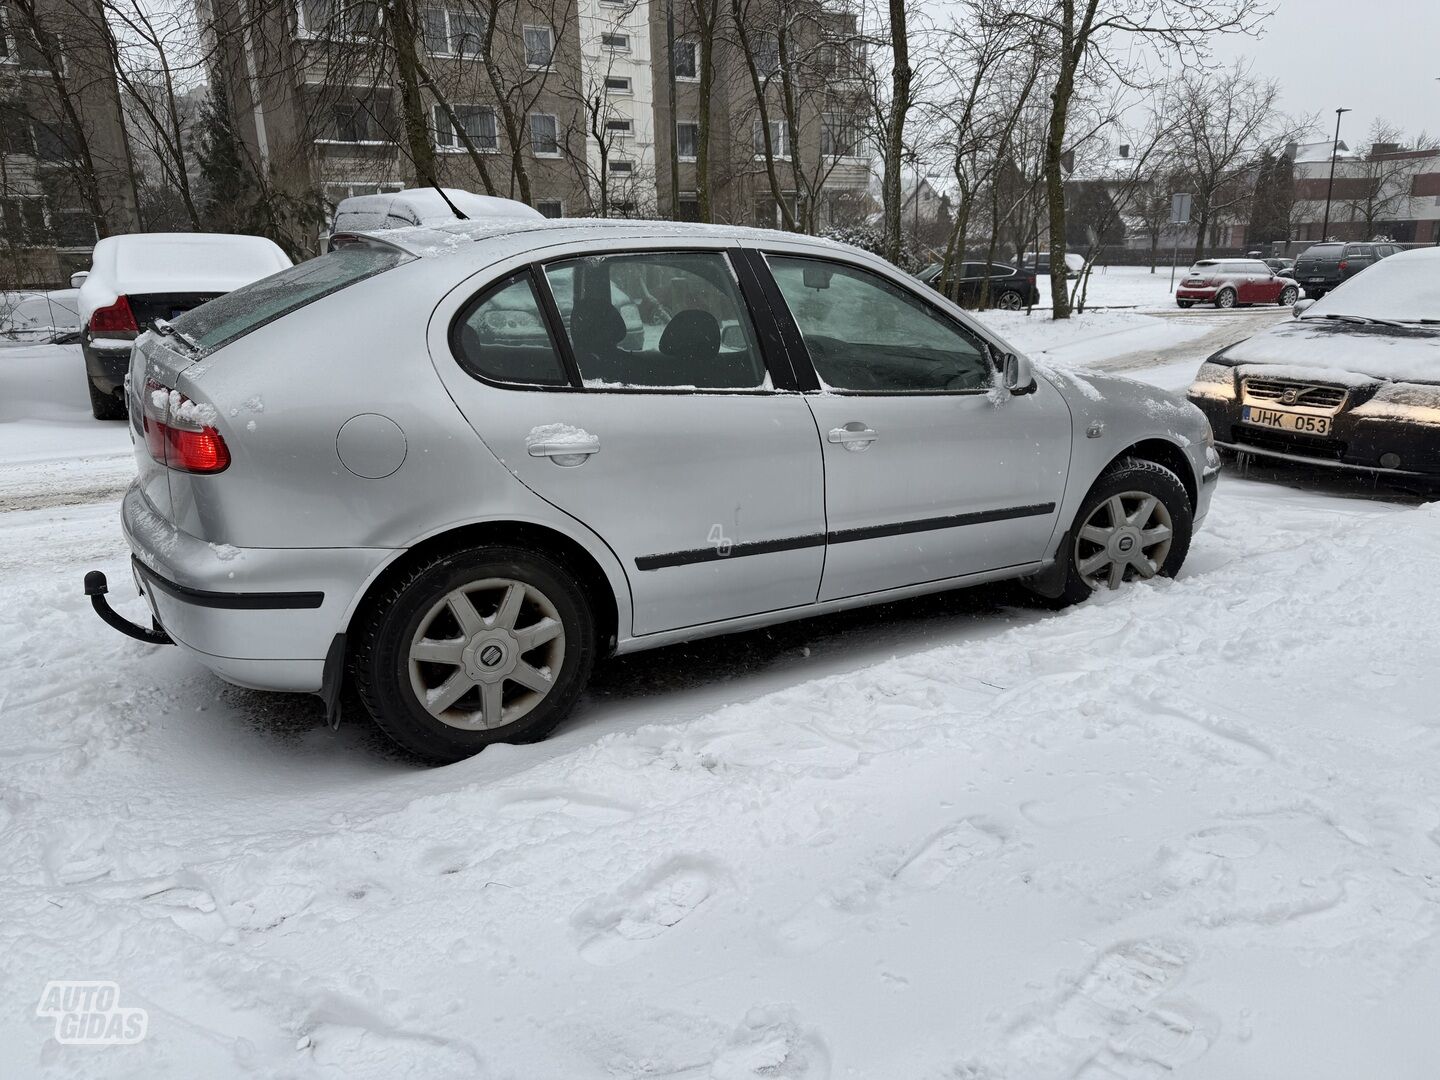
[[439, 466]]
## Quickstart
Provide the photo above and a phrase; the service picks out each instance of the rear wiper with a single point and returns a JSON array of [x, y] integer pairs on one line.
[[1363, 320], [165, 328]]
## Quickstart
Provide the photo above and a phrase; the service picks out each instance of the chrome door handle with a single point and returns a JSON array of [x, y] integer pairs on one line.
[[853, 436], [562, 449]]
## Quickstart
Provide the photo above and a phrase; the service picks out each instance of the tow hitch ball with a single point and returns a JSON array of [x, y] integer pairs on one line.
[[96, 587]]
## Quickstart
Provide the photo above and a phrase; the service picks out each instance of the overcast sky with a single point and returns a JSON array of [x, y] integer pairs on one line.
[[1378, 57]]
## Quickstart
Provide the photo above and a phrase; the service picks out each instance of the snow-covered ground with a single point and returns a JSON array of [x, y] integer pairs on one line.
[[1127, 287], [1188, 829]]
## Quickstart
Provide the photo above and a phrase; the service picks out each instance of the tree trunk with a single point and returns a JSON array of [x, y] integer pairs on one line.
[[1055, 188], [758, 85], [418, 139], [708, 18], [895, 129], [519, 174]]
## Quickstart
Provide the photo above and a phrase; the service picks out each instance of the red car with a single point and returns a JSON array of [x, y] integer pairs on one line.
[[1228, 283]]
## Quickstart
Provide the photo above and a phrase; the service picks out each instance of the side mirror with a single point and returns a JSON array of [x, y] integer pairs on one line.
[[1016, 373], [1301, 306], [78, 278]]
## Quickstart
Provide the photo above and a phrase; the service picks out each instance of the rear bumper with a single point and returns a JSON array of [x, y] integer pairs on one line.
[[106, 361], [1198, 295], [258, 617]]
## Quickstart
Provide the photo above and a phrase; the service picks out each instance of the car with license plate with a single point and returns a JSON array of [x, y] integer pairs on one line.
[[1323, 267], [140, 280], [1352, 383], [1229, 283], [433, 465]]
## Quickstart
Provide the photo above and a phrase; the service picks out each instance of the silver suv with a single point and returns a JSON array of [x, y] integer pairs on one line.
[[439, 465]]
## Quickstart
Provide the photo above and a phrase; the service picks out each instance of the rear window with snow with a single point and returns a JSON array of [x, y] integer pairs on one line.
[[232, 316]]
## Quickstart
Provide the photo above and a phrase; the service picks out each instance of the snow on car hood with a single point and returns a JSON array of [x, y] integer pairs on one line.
[[1346, 351], [141, 263]]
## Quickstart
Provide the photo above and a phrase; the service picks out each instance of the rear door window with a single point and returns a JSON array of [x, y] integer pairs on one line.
[[659, 321], [232, 316]]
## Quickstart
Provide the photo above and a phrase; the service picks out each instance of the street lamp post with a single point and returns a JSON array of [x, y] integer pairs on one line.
[[1330, 187]]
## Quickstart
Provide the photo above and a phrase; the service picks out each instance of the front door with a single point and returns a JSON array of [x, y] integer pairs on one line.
[[932, 471], [664, 437]]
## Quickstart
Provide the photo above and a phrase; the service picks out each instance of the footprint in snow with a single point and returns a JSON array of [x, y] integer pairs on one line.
[[1228, 842], [576, 805], [1118, 1020], [618, 925], [771, 1043], [943, 854]]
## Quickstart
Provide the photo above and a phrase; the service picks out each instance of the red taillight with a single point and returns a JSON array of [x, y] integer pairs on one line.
[[114, 318], [177, 433], [1343, 264]]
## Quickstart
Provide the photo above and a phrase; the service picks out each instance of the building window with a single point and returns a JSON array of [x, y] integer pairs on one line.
[[689, 207], [544, 135], [687, 140], [622, 166], [686, 59], [551, 208], [23, 220], [842, 60], [840, 135], [539, 47], [19, 47], [779, 138], [617, 84], [615, 42], [767, 54], [350, 122], [620, 129], [477, 122], [353, 19], [452, 31]]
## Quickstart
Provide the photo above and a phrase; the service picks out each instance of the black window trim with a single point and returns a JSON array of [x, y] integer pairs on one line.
[[804, 365]]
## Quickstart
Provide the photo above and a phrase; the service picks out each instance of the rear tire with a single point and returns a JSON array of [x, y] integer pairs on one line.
[[471, 648], [1132, 481], [1288, 296], [1010, 301], [102, 405], [1185, 303], [1225, 298]]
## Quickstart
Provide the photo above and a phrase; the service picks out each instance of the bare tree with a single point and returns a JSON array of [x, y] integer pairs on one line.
[[1377, 182]]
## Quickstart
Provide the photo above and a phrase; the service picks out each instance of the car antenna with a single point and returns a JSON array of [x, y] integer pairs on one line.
[[453, 208]]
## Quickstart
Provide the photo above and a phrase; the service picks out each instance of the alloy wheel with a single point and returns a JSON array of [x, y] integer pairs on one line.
[[1226, 299], [486, 654], [1009, 301], [1126, 536]]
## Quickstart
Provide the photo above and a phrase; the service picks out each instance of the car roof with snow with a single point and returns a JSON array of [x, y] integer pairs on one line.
[[136, 264], [507, 237]]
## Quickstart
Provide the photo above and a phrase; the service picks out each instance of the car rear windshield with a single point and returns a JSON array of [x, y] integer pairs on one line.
[[1402, 288], [236, 314]]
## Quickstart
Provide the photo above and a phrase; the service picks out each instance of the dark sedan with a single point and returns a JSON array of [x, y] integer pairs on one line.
[[1352, 383], [1010, 289]]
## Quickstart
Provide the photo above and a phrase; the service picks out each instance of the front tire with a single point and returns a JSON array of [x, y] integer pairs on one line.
[[472, 648], [1135, 522], [104, 406], [1225, 298]]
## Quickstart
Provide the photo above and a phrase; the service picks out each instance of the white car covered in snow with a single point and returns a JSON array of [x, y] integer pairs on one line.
[[143, 280], [424, 206], [49, 317]]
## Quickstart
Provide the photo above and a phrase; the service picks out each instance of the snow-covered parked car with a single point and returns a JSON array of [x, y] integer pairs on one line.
[[1353, 382], [424, 206], [47, 317], [415, 464], [140, 278]]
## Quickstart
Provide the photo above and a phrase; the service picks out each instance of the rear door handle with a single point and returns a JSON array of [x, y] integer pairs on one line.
[[562, 449], [853, 436]]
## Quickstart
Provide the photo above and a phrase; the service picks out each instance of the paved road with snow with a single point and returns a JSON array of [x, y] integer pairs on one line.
[[1189, 829]]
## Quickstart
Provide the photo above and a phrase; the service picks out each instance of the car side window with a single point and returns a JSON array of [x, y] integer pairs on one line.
[[667, 320], [502, 336], [866, 334]]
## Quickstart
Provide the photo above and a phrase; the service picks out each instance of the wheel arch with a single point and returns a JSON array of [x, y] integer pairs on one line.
[[1166, 453], [593, 579]]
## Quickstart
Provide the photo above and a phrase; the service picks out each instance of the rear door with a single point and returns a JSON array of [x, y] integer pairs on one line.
[[931, 471], [699, 469]]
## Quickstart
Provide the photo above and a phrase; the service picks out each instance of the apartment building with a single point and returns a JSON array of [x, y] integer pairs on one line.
[[562, 102], [1389, 191], [65, 177], [806, 69]]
